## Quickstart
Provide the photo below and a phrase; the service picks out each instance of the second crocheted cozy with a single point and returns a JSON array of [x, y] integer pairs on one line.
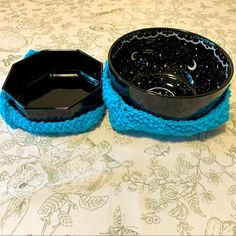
[[124, 117], [79, 124]]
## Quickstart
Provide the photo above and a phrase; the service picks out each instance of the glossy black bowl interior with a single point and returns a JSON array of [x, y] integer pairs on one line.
[[169, 72], [55, 85]]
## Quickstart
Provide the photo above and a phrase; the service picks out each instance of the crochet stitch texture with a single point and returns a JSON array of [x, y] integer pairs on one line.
[[124, 117], [79, 124]]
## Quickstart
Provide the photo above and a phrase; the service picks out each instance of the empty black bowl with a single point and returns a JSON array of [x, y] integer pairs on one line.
[[55, 85], [169, 72]]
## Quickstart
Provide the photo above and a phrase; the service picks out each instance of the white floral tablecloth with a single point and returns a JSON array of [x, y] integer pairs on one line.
[[103, 182]]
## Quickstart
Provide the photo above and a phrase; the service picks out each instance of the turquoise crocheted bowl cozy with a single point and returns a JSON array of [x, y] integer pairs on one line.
[[124, 117], [79, 124]]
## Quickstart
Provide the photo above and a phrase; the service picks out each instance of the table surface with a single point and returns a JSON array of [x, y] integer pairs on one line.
[[103, 182]]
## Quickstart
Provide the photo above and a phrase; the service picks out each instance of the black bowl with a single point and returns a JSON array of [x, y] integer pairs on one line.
[[55, 85], [169, 72]]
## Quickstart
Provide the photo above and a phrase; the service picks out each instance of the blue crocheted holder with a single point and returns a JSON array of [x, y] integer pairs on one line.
[[124, 117], [79, 124]]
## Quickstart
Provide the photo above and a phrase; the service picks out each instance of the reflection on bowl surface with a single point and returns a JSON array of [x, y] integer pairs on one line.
[[55, 85], [159, 63]]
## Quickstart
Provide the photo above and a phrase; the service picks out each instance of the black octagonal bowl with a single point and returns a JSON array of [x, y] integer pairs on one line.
[[169, 72], [55, 85]]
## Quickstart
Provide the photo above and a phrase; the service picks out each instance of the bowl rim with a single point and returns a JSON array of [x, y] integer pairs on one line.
[[43, 52], [112, 69]]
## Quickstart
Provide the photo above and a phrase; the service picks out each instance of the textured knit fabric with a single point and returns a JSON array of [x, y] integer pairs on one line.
[[76, 125], [124, 117]]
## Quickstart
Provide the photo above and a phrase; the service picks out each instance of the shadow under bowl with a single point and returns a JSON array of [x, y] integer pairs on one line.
[[169, 72]]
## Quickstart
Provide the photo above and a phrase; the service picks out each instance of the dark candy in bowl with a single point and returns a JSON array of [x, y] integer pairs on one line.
[[169, 72]]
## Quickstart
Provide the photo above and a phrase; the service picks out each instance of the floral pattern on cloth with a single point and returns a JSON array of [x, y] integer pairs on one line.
[[103, 182]]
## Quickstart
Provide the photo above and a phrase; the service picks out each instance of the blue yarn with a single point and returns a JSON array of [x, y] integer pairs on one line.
[[124, 117], [79, 124], [30, 53]]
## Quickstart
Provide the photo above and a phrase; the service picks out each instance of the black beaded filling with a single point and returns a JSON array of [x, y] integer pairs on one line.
[[170, 63]]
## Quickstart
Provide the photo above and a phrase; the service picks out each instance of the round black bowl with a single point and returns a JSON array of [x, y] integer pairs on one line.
[[169, 72]]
